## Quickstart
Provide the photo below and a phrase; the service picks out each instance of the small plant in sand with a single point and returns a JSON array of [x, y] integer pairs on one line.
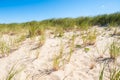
[[42, 39], [4, 48], [101, 52], [14, 43], [35, 30], [101, 76], [32, 31], [57, 60], [114, 74], [78, 46], [13, 71], [72, 46], [86, 49], [20, 39], [115, 32], [59, 32], [89, 38], [56, 63], [114, 49]]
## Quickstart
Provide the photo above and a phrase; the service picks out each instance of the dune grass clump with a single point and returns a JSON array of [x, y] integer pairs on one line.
[[102, 52], [114, 49], [56, 63], [114, 74], [42, 39], [89, 38], [13, 71], [72, 46], [4, 48], [20, 39], [59, 32], [115, 32], [58, 59], [32, 31], [35, 31]]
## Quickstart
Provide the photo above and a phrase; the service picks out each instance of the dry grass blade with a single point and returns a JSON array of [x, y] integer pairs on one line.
[[13, 72], [101, 74], [115, 74]]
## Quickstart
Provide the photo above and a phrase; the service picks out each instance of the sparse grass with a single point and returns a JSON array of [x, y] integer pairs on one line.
[[16, 42], [58, 59], [114, 49], [32, 31], [114, 74], [56, 63], [115, 31], [72, 47], [13, 71], [102, 52], [20, 39], [59, 32], [42, 39], [4, 48], [89, 38]]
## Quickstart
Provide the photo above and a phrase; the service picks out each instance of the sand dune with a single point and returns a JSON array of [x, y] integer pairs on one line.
[[34, 62]]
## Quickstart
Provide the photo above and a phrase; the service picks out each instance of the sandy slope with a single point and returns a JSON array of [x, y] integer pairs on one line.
[[82, 66]]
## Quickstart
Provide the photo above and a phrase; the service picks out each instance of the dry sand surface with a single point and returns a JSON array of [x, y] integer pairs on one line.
[[35, 62]]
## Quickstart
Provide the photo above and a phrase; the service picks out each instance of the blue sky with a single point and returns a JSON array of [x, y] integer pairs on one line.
[[29, 10]]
